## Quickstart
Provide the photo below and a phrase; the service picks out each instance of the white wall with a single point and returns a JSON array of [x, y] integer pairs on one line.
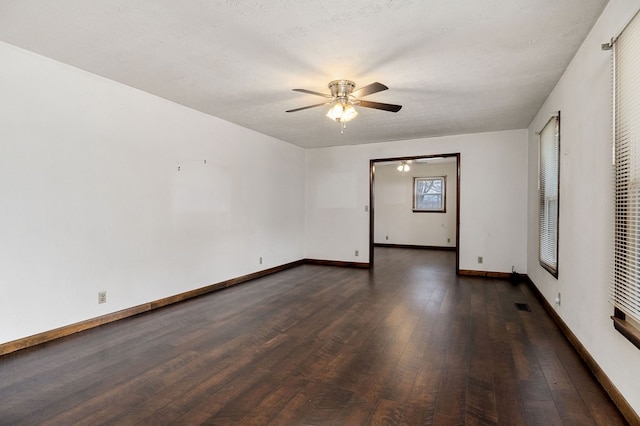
[[583, 96], [91, 198], [493, 192], [394, 220]]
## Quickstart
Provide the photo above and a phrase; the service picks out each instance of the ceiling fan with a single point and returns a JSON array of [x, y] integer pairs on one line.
[[343, 97]]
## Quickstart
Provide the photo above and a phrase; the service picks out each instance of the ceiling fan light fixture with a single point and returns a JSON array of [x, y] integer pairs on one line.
[[403, 167], [342, 111], [348, 114], [336, 111]]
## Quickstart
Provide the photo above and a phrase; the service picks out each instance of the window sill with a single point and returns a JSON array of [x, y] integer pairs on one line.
[[553, 271], [627, 330]]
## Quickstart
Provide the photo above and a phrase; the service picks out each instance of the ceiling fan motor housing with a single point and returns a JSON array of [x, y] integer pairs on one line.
[[341, 89]]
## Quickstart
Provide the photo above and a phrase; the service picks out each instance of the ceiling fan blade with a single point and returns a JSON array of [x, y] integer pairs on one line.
[[307, 107], [378, 105], [311, 92], [369, 89]]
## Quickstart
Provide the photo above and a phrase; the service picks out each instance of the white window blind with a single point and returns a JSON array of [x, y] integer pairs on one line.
[[548, 194], [625, 290]]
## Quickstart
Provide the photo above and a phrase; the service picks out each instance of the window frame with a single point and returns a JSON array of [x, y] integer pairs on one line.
[[443, 195], [549, 193]]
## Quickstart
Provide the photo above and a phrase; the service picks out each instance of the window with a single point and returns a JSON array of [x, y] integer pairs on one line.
[[548, 194], [429, 194], [625, 288]]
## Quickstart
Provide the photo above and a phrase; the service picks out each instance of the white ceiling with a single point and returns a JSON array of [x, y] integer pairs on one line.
[[456, 66]]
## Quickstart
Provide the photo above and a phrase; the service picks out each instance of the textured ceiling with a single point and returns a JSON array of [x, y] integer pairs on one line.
[[457, 66]]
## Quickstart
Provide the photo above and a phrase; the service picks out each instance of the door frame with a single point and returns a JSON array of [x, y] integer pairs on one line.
[[372, 164]]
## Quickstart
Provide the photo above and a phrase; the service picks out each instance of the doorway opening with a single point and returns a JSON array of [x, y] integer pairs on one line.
[[398, 163]]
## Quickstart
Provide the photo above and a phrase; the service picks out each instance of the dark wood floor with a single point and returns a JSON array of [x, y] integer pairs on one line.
[[407, 343]]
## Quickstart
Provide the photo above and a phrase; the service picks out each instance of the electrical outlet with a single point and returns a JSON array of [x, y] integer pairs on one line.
[[102, 297], [386, 237], [480, 259], [448, 240], [366, 208], [261, 260], [357, 253], [558, 300]]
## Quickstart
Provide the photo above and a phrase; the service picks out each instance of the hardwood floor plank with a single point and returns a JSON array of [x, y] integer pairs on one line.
[[273, 404], [509, 406], [421, 404], [452, 393], [481, 394], [357, 412], [387, 413], [297, 409], [542, 413]]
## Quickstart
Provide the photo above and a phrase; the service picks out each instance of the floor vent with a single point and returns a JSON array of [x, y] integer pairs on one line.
[[522, 307]]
